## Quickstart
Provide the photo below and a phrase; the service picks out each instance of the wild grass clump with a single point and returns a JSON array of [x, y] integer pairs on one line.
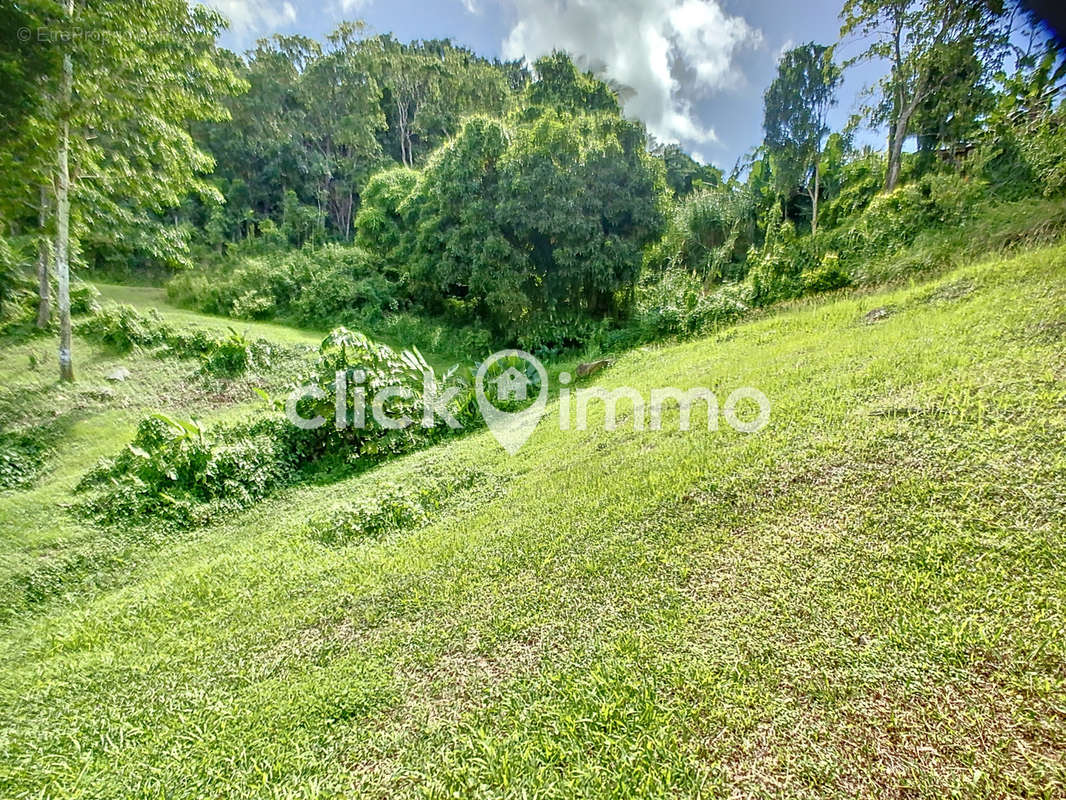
[[393, 507], [23, 456]]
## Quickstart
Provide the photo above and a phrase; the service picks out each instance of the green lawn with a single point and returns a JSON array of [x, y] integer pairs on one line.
[[867, 598]]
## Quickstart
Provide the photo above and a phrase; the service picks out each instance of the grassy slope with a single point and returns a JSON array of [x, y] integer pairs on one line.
[[151, 297], [146, 297], [866, 597]]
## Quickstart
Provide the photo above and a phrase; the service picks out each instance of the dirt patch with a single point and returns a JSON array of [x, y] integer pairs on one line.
[[876, 315]]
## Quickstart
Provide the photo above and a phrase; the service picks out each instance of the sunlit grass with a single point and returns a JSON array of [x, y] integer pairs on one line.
[[867, 598]]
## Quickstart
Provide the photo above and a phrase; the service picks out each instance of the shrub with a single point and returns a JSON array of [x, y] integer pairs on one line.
[[178, 470], [123, 327], [175, 469], [83, 298], [826, 277], [234, 355], [894, 221], [708, 234], [253, 304], [378, 366], [678, 303], [22, 457], [310, 287]]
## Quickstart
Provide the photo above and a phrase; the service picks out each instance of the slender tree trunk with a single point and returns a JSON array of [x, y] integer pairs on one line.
[[404, 131], [66, 366], [44, 253], [895, 158], [814, 198], [895, 150], [892, 167], [348, 217]]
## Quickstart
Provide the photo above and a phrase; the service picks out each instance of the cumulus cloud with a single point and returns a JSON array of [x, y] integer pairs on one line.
[[249, 17], [669, 53]]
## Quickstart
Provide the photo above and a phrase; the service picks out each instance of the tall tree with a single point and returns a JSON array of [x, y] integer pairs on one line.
[[134, 72], [796, 107], [44, 253], [343, 116], [62, 188], [914, 37], [28, 66]]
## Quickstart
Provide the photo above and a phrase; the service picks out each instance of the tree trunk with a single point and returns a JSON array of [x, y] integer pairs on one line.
[[895, 151], [66, 367], [44, 253], [814, 198], [403, 123], [895, 158], [348, 217]]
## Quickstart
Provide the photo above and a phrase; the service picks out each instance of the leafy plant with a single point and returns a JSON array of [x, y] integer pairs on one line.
[[235, 354], [176, 469]]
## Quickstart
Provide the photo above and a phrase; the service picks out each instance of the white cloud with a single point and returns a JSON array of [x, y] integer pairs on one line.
[[249, 17], [669, 52], [471, 6], [785, 47]]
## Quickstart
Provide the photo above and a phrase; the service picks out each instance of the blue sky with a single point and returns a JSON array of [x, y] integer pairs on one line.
[[698, 67]]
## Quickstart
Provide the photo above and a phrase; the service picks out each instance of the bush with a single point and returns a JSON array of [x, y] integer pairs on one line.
[[708, 234], [678, 303], [234, 355], [22, 456], [378, 366], [175, 469], [321, 287], [894, 221], [253, 304], [83, 298], [826, 277], [178, 470], [123, 327]]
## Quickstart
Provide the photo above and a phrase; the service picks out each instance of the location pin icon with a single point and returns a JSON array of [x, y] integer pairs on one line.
[[511, 428]]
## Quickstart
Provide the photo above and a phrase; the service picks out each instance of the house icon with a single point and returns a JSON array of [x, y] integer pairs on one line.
[[511, 385]]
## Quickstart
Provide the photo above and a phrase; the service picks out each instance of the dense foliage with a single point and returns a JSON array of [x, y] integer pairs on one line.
[[423, 193]]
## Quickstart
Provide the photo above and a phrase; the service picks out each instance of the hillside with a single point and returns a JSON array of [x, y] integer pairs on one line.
[[866, 597]]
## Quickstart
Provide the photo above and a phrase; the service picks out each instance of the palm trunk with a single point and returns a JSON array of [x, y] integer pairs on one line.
[[66, 367], [44, 252]]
